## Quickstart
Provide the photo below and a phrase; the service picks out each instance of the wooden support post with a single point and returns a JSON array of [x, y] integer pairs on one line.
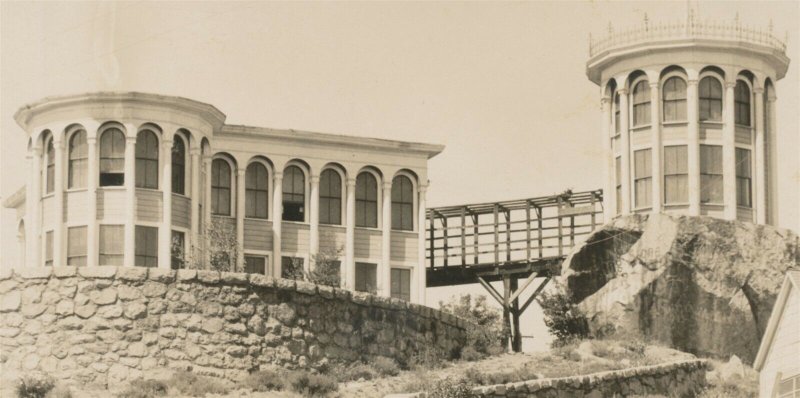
[[539, 230], [475, 238], [593, 211], [516, 339], [571, 231], [506, 310], [446, 241], [496, 236], [463, 236], [560, 230], [528, 231], [432, 235]]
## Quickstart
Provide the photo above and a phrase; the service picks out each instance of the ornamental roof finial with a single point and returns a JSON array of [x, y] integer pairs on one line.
[[646, 22], [770, 25], [610, 28]]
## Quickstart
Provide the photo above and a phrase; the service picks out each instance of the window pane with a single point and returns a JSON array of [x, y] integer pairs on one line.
[[401, 283], [402, 199], [76, 241], [178, 250], [330, 197], [256, 193], [292, 267], [255, 264], [146, 246], [111, 244], [48, 248], [366, 201], [366, 277], [178, 166]]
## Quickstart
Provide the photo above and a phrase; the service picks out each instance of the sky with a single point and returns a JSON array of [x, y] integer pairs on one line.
[[502, 85]]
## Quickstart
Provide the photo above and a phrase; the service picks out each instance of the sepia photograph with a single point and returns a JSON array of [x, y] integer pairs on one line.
[[400, 199]]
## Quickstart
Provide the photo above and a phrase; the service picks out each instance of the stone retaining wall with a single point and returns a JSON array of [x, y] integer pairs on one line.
[[675, 379], [106, 325]]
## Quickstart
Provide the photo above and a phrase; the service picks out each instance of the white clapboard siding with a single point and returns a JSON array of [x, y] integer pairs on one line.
[[743, 136], [180, 211], [294, 238], [785, 349], [257, 235], [111, 204], [148, 205], [710, 133], [673, 132], [368, 243], [712, 211], [331, 239], [404, 246], [641, 137], [76, 206], [744, 214]]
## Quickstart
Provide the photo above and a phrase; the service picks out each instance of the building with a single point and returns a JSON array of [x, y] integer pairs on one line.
[[131, 179], [778, 358], [688, 119]]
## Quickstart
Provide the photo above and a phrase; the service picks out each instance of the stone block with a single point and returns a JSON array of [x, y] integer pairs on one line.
[[261, 280], [285, 284], [306, 288], [325, 291], [99, 272], [154, 289], [161, 275], [208, 276], [234, 278], [133, 274], [85, 311], [33, 310], [65, 272], [103, 297], [186, 275], [33, 272], [10, 301]]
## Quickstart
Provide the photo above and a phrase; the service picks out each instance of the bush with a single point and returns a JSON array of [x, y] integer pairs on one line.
[[144, 389], [563, 318], [60, 391], [425, 357], [451, 388], [264, 380], [488, 338], [311, 385], [34, 386], [195, 385], [327, 268], [470, 354], [356, 371], [385, 366]]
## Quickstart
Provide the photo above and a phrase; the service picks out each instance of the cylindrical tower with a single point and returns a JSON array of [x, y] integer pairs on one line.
[[688, 119]]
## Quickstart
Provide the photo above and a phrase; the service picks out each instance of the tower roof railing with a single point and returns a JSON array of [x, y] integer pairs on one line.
[[689, 29]]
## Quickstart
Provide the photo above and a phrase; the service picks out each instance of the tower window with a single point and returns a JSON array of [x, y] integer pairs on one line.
[[643, 178], [711, 174], [48, 249], [330, 198], [112, 244], [78, 158], [366, 200], [147, 160], [674, 99], [401, 283], [616, 113], [220, 187], [112, 158], [256, 191], [76, 246], [402, 204], [51, 167], [744, 196], [178, 166], [366, 277], [676, 174], [741, 96], [641, 104], [146, 246], [710, 100], [294, 194], [618, 182]]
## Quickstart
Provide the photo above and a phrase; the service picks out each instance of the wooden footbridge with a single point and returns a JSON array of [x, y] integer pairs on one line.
[[508, 241]]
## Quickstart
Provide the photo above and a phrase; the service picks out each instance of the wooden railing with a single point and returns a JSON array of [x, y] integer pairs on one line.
[[510, 232]]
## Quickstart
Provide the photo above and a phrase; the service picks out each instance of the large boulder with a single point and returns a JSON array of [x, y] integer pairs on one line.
[[698, 284]]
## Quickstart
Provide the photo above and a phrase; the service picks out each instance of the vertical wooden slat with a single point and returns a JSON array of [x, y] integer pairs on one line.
[[593, 211], [508, 235], [496, 236], [571, 231], [560, 230], [506, 309], [527, 230], [463, 236], [516, 340], [475, 238], [432, 235], [446, 241], [539, 230]]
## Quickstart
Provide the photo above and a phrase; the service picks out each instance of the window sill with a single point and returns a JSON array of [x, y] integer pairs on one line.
[[676, 204], [675, 123], [641, 127], [711, 123], [339, 226], [148, 189], [710, 204], [642, 209], [405, 231], [748, 208], [71, 190], [373, 229], [256, 219], [48, 195], [295, 222], [223, 216], [111, 188], [744, 126]]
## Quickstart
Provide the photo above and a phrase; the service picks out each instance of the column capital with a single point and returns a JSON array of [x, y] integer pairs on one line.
[[693, 82], [351, 182], [729, 84], [278, 175], [654, 85], [91, 140], [313, 179], [241, 171], [605, 100], [422, 188], [37, 150], [130, 140], [387, 185], [758, 90], [58, 143], [195, 151], [167, 141], [622, 91]]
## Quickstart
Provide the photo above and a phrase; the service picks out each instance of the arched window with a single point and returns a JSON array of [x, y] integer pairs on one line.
[[256, 191], [366, 200], [220, 187], [178, 166], [641, 103], [146, 160], [330, 198], [616, 113], [674, 98], [741, 97], [294, 194], [710, 100], [51, 166], [78, 158], [112, 158], [402, 204]]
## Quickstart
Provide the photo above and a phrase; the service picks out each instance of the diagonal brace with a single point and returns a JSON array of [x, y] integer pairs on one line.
[[533, 296], [492, 291]]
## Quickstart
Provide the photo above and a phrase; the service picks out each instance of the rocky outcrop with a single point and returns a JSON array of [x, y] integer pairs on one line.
[[699, 284], [104, 326]]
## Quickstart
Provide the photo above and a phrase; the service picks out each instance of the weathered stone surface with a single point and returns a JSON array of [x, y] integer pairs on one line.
[[699, 284], [99, 272], [34, 272], [64, 272], [133, 274], [10, 301], [161, 275], [103, 297]]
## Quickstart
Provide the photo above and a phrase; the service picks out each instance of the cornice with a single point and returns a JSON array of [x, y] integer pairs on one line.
[[209, 113]]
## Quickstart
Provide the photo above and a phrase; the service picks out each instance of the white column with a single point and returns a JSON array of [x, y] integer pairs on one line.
[[277, 222], [165, 231], [349, 269], [759, 177], [693, 147], [386, 241], [195, 217], [314, 217], [130, 198], [729, 154], [656, 147], [421, 270], [206, 207], [59, 255], [625, 151], [609, 200], [33, 202], [240, 198], [771, 161], [92, 236]]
